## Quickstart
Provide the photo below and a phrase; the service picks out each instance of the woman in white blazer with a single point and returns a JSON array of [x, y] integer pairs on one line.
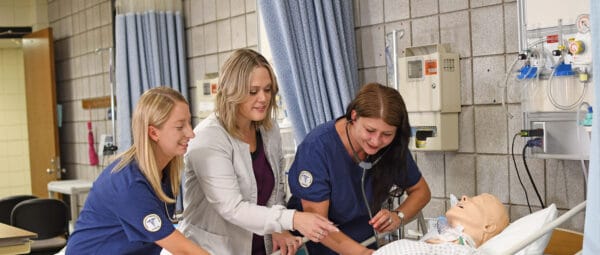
[[234, 181]]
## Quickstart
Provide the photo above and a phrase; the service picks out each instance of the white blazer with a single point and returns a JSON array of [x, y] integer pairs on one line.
[[220, 194]]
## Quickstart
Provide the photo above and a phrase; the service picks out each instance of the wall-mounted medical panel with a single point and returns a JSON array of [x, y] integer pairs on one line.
[[429, 82], [203, 97], [554, 71], [544, 13]]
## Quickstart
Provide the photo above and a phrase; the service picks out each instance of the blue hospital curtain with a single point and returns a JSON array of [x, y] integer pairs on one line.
[[591, 237], [149, 53], [314, 56]]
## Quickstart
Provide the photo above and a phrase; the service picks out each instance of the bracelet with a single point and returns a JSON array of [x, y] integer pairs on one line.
[[401, 226], [400, 215]]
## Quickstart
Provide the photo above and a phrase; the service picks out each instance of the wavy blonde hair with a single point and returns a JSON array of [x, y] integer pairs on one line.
[[234, 86], [153, 109]]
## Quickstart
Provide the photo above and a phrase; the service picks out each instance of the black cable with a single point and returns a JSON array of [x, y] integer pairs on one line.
[[531, 178], [512, 152]]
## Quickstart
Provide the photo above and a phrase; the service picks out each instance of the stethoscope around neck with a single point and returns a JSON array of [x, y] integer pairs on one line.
[[176, 216], [365, 165]]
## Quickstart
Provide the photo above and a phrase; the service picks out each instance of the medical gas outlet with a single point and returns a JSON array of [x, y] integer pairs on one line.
[[429, 78]]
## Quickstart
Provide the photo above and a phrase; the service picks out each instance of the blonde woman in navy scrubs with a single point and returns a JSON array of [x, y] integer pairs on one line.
[[131, 205]]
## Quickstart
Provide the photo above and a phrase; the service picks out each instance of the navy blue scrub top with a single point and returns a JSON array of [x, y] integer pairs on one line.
[[323, 170], [122, 215]]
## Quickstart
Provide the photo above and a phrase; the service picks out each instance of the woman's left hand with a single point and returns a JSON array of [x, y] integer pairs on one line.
[[385, 221], [286, 242]]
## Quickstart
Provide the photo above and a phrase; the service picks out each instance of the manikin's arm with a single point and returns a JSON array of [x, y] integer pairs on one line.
[[176, 244], [337, 241]]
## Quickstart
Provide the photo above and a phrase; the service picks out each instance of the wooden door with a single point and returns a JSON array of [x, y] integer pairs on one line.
[[40, 90]]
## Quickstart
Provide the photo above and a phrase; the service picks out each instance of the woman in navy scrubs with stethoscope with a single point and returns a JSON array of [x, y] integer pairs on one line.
[[360, 157], [130, 207]]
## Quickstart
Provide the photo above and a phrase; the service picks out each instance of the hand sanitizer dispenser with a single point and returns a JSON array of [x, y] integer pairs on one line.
[[429, 78]]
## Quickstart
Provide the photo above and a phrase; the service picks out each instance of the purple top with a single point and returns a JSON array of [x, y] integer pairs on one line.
[[265, 182]]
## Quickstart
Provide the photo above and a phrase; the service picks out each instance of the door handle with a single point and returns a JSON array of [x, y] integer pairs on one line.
[[55, 167]]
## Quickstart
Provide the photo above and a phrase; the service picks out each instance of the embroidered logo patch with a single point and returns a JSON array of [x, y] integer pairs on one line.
[[152, 222], [305, 178]]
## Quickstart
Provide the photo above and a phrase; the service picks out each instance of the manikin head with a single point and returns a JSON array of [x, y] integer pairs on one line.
[[482, 217]]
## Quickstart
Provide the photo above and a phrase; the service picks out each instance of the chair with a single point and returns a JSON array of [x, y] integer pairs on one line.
[[47, 217], [8, 203]]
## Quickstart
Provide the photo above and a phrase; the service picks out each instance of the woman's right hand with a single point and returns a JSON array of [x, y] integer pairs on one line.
[[313, 226]]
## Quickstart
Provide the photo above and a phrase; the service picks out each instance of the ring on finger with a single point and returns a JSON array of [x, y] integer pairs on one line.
[[390, 220]]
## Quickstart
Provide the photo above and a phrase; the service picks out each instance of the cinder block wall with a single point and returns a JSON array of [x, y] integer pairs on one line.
[[484, 33], [215, 28], [79, 28]]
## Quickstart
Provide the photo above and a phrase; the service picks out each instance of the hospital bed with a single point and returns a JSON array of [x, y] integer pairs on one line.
[[562, 242], [536, 232]]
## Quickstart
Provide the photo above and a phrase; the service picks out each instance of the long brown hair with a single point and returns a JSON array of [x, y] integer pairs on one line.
[[234, 86], [377, 101], [153, 109]]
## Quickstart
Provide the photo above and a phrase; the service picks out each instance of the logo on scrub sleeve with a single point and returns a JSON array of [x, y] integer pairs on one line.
[[305, 178], [152, 222]]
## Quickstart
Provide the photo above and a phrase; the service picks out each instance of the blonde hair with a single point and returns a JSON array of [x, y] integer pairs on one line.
[[234, 86], [153, 109]]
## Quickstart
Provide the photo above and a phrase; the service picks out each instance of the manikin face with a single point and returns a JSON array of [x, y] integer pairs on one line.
[[255, 105], [467, 210], [372, 134], [482, 216], [173, 136]]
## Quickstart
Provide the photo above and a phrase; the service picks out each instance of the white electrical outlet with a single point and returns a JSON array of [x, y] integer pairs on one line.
[[104, 141]]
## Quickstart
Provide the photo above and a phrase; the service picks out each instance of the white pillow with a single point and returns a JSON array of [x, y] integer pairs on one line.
[[521, 229]]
